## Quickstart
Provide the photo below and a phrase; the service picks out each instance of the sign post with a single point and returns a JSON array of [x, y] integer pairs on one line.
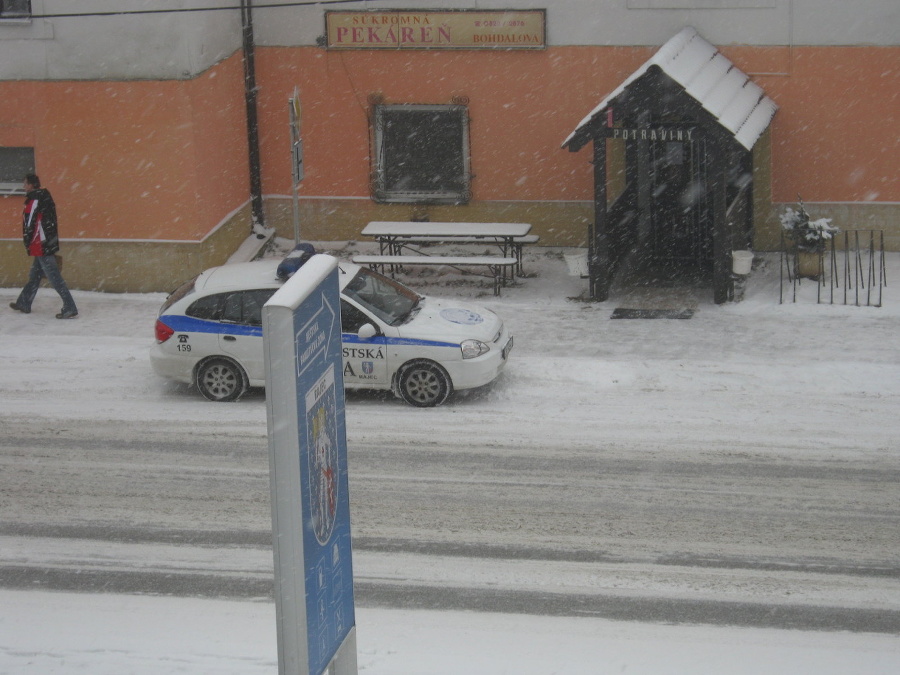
[[294, 111], [308, 474]]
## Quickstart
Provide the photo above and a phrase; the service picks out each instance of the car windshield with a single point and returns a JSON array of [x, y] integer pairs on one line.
[[389, 300]]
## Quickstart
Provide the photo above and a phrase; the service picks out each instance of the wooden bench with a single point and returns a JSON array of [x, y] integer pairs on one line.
[[518, 243], [495, 264]]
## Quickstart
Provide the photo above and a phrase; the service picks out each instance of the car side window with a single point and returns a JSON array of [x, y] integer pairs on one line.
[[232, 308], [205, 308], [253, 304], [245, 307], [352, 319]]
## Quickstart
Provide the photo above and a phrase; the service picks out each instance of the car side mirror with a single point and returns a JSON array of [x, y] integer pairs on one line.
[[367, 331]]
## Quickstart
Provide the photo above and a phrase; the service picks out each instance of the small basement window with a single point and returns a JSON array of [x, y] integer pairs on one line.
[[14, 164], [15, 9], [422, 154]]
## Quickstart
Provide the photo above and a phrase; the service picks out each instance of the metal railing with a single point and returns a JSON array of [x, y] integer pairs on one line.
[[849, 269]]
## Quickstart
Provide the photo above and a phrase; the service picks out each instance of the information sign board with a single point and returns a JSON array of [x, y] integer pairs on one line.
[[308, 471]]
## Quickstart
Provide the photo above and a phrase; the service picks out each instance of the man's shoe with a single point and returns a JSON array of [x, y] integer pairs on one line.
[[71, 314], [19, 308]]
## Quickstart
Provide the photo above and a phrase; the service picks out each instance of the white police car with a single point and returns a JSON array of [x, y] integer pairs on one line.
[[209, 332]]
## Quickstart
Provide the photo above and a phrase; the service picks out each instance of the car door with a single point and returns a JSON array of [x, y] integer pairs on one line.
[[241, 335], [199, 337], [365, 358]]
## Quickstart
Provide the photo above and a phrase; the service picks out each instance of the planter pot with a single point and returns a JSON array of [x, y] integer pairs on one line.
[[809, 264], [577, 263], [741, 262]]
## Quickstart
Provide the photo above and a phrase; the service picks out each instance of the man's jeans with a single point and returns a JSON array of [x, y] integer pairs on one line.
[[45, 266]]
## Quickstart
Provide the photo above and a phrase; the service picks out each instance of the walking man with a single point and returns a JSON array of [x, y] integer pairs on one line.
[[39, 232]]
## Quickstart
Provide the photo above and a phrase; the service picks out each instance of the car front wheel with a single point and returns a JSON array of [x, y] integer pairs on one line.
[[423, 384], [221, 380]]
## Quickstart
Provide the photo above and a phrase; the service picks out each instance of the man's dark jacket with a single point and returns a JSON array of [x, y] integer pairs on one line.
[[39, 227]]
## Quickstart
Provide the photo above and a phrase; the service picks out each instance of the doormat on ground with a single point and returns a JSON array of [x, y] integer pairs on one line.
[[627, 313]]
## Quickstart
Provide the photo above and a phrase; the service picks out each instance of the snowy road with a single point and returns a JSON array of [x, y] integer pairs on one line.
[[738, 468], [617, 537]]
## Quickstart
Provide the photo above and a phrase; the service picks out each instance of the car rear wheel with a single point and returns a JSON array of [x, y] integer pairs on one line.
[[221, 379], [423, 384]]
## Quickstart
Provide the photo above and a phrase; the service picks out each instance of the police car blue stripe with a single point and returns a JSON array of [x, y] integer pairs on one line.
[[352, 338], [189, 324]]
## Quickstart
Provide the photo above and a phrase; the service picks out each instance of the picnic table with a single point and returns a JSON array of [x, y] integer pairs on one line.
[[398, 237]]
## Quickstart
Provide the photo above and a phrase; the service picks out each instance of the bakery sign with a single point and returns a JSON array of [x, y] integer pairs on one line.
[[449, 29]]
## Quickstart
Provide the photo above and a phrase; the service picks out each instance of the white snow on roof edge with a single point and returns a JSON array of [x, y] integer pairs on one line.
[[690, 60]]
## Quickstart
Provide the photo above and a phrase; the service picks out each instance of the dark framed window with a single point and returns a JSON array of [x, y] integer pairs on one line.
[[422, 154], [15, 9], [14, 164]]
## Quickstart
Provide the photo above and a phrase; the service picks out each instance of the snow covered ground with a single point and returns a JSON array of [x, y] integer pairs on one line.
[[755, 377], [63, 633]]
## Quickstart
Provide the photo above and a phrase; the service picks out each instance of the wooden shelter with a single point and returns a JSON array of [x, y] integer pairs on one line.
[[682, 129]]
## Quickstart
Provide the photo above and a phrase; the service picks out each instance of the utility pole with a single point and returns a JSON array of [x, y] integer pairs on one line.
[[256, 199]]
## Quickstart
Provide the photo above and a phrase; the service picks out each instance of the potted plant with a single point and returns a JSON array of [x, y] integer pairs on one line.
[[809, 238]]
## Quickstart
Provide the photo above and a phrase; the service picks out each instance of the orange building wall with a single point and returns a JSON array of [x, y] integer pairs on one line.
[[522, 106], [132, 160], [168, 160], [834, 139]]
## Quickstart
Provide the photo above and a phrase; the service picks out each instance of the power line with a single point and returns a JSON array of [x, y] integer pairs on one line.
[[183, 10]]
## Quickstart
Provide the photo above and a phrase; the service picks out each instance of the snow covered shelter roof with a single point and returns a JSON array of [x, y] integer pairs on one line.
[[723, 90]]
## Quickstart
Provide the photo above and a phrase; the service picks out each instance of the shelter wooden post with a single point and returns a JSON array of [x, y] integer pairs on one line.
[[598, 254], [722, 282]]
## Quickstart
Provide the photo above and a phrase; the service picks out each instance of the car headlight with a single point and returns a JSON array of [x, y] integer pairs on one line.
[[473, 348]]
